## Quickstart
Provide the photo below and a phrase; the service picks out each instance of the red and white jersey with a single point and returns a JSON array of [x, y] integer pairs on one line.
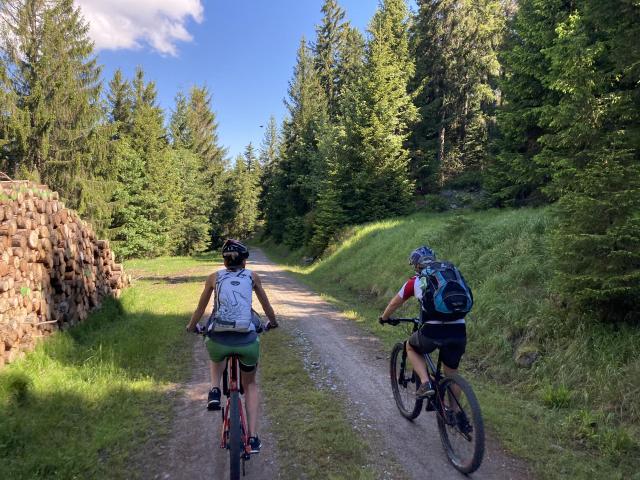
[[414, 288]]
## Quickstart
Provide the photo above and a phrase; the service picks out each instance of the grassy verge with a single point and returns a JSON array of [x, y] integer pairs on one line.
[[314, 437], [80, 404], [83, 404], [575, 413]]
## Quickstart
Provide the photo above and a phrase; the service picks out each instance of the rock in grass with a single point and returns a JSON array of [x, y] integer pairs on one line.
[[526, 356]]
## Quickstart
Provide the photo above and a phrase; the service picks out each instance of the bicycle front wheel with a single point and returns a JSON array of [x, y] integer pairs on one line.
[[460, 424], [404, 383], [235, 437]]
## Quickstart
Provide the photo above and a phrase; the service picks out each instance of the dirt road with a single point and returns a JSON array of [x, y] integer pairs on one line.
[[359, 363], [357, 366], [191, 451]]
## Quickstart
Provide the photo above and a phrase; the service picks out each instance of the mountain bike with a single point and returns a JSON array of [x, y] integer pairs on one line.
[[235, 434], [458, 412]]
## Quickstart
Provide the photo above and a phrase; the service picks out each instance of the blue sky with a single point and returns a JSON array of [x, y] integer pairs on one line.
[[244, 51]]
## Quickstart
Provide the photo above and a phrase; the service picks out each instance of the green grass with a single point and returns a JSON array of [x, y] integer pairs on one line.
[[86, 401], [314, 437], [87, 398], [172, 265], [584, 370]]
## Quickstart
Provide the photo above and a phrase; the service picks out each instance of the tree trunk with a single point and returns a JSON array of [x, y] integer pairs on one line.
[[441, 147]]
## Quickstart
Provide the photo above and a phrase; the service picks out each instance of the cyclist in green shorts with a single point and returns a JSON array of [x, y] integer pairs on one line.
[[233, 327]]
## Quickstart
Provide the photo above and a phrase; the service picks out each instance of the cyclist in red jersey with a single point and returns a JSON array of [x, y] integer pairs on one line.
[[452, 334]]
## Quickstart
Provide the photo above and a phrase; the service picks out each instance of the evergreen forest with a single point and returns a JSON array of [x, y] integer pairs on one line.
[[483, 104]]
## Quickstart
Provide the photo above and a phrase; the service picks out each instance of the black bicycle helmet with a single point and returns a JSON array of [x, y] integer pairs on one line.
[[231, 246], [421, 256]]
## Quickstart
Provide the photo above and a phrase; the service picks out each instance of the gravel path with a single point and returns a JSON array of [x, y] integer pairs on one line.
[[340, 356], [191, 450], [358, 365]]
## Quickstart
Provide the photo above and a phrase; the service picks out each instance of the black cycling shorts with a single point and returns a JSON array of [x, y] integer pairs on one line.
[[452, 340]]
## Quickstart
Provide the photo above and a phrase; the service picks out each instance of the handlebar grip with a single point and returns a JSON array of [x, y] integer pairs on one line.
[[390, 321]]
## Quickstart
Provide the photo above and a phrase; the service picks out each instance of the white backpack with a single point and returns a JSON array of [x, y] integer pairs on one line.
[[232, 310]]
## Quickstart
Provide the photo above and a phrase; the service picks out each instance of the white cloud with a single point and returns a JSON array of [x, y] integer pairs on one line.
[[129, 24]]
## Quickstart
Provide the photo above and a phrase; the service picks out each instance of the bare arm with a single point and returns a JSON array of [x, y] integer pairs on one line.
[[264, 301], [395, 303], [202, 304]]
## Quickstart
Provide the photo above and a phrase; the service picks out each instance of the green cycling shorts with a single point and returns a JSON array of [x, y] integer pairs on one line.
[[248, 354]]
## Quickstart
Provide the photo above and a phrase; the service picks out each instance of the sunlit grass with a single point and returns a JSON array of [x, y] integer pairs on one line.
[[505, 257], [171, 265], [87, 399], [314, 436]]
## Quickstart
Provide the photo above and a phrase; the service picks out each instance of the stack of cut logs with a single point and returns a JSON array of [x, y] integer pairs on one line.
[[53, 270]]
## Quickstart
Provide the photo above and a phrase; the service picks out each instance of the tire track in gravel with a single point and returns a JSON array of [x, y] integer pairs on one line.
[[355, 364]]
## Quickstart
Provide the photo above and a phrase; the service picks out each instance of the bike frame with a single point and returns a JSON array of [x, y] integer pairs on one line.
[[233, 385], [434, 372]]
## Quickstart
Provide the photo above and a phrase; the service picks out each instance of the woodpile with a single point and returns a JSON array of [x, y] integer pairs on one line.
[[53, 269]]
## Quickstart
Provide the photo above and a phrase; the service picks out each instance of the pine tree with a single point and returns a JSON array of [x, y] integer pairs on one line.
[[202, 133], [53, 132], [376, 120], [520, 172], [158, 199], [330, 36], [120, 103], [300, 168], [193, 224], [593, 152], [251, 160], [454, 43]]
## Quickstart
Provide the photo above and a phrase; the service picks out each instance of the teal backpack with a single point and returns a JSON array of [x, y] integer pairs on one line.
[[446, 295]]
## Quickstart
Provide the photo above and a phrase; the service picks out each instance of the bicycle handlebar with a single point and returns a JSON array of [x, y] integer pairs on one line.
[[396, 321]]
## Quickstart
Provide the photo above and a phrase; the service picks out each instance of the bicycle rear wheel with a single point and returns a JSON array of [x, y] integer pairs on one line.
[[460, 424], [235, 437], [404, 383]]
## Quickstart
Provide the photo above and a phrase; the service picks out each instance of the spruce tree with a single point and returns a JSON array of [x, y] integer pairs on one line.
[[179, 123], [269, 159], [520, 172], [251, 160], [335, 205], [455, 46], [376, 120], [202, 135], [53, 132], [193, 224], [159, 197], [330, 36], [270, 144], [594, 155], [350, 64], [301, 168], [238, 214], [120, 103], [329, 214], [133, 232]]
